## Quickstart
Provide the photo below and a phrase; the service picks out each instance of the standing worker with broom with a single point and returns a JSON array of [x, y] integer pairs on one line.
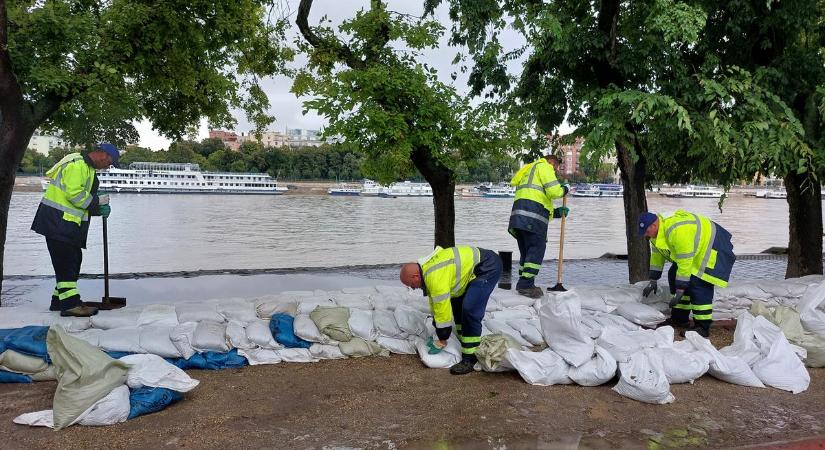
[[536, 187], [63, 218]]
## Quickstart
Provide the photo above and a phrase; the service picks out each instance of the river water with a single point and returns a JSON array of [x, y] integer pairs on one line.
[[150, 233]]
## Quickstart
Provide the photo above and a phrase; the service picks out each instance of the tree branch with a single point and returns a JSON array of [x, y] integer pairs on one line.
[[4, 26], [331, 44]]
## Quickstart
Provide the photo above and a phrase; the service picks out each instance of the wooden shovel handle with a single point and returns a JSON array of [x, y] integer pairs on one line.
[[561, 241]]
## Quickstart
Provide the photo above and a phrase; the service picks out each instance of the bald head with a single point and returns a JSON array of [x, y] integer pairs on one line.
[[411, 275]]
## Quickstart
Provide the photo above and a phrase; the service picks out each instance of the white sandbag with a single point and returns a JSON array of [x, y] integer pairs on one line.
[[111, 409], [116, 318], [643, 378], [36, 419], [322, 351], [560, 319], [743, 346], [361, 324], [681, 366], [239, 309], [593, 324], [501, 327], [782, 288], [297, 295], [121, 340], [154, 371], [385, 324], [308, 304], [210, 336], [197, 312], [492, 305], [156, 340], [779, 367], [269, 305], [640, 314], [544, 368], [623, 344], [12, 361], [182, 337], [810, 309], [508, 299], [158, 315], [306, 329], [92, 336], [236, 335], [363, 290], [259, 356], [258, 333], [356, 300], [411, 321], [599, 370], [300, 355], [398, 346], [449, 355], [521, 312], [731, 369], [390, 297], [529, 330], [70, 324]]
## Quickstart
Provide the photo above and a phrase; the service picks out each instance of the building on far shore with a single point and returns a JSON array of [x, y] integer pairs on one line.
[[292, 137], [43, 143]]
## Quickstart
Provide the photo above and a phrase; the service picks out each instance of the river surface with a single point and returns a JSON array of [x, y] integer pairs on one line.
[[150, 233]]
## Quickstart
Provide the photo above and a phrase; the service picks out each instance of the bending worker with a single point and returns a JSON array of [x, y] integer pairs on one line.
[[63, 218], [459, 281], [702, 255], [536, 187]]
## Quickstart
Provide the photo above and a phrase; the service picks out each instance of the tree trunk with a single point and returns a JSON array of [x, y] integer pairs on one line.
[[635, 202], [804, 226], [442, 180]]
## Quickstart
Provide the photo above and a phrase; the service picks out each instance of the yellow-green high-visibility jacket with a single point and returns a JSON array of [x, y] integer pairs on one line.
[[446, 273], [698, 246], [64, 210], [536, 187]]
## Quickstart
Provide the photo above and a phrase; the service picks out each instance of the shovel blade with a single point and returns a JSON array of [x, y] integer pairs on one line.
[[108, 303], [557, 288]]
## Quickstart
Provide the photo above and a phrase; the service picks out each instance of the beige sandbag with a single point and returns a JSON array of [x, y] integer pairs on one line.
[[491, 351], [85, 375], [47, 375], [334, 322], [12, 361], [357, 347]]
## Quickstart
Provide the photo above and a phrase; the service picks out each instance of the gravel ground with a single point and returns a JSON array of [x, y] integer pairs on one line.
[[397, 403]]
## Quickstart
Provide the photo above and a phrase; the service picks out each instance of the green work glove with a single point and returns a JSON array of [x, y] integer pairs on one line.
[[433, 349], [561, 211], [566, 188], [105, 210]]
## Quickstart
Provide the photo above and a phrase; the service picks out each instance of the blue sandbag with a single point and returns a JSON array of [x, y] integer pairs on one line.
[[283, 330], [11, 377], [211, 361], [29, 340], [147, 400], [3, 333], [118, 355]]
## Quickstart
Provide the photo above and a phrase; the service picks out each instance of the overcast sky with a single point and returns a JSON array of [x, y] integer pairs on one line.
[[287, 108]]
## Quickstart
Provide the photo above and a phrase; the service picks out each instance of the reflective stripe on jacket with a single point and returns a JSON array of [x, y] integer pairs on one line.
[[698, 246], [446, 274], [70, 190], [536, 187]]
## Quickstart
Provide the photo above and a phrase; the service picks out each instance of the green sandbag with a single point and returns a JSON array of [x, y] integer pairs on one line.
[[85, 374], [492, 348], [357, 347], [13, 361], [332, 321]]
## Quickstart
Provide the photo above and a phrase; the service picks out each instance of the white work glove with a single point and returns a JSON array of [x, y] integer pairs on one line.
[[103, 199]]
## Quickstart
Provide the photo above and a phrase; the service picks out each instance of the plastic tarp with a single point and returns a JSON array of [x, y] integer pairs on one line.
[[11, 377], [30, 340], [147, 400], [281, 326], [560, 319]]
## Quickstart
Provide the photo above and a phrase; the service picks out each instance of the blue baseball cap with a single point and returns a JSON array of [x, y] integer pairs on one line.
[[111, 150], [645, 220]]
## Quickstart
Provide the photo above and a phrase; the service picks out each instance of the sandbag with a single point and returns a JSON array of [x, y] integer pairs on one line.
[[386, 325], [594, 324], [599, 370], [148, 400], [622, 345], [198, 312], [779, 367], [29, 340], [390, 297], [744, 346], [236, 335], [321, 351], [267, 306], [306, 329], [492, 349], [561, 327], [49, 374], [643, 378], [85, 375], [116, 318], [681, 366], [731, 369], [523, 313], [810, 309], [210, 336], [449, 355], [13, 361], [258, 333], [157, 341], [361, 324], [529, 330], [333, 322], [411, 321], [544, 368], [357, 347], [70, 324], [296, 355], [501, 327], [397, 346], [282, 328], [121, 340], [158, 315], [259, 356], [238, 309], [306, 305], [211, 361], [640, 314], [182, 337], [12, 377], [509, 299], [357, 300], [92, 336], [154, 371]]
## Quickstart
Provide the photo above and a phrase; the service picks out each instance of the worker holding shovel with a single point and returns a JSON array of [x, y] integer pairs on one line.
[[536, 187], [63, 218]]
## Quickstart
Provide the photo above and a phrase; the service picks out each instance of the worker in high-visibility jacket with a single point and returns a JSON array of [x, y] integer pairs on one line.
[[458, 281], [63, 218], [702, 255], [536, 187]]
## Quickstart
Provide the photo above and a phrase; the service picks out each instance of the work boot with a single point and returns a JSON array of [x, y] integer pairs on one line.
[[532, 292], [703, 331], [79, 311], [55, 305], [673, 323], [465, 366]]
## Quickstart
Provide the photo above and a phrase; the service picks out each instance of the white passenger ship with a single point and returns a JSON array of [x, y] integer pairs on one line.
[[183, 178]]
